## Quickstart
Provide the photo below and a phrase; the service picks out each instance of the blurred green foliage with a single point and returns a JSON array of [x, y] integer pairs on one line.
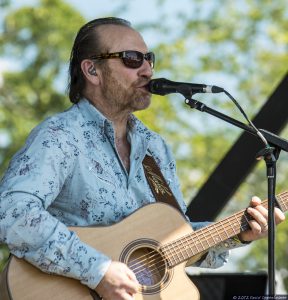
[[242, 45]]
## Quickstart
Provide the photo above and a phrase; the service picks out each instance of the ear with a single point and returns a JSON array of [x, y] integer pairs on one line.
[[90, 72]]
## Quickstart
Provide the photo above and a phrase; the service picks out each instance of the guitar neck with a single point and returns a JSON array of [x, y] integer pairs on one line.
[[199, 241]]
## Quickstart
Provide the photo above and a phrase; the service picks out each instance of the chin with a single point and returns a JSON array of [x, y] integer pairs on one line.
[[142, 103]]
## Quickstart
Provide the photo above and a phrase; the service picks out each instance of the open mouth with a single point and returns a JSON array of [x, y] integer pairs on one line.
[[145, 87]]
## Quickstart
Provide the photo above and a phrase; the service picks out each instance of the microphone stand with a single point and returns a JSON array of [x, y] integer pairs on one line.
[[270, 155]]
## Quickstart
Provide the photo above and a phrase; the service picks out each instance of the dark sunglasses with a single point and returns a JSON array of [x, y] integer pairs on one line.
[[131, 59]]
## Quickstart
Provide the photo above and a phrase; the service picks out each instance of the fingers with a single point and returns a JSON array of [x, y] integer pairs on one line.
[[132, 283], [259, 214], [260, 217], [255, 201], [131, 275], [259, 223], [279, 216], [119, 282], [130, 286]]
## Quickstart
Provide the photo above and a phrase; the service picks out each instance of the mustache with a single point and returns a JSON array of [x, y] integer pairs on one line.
[[141, 82]]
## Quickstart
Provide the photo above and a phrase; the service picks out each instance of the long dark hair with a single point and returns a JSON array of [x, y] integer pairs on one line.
[[86, 44]]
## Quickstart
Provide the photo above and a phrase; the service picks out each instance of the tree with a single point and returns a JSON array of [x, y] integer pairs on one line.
[[39, 44], [243, 45]]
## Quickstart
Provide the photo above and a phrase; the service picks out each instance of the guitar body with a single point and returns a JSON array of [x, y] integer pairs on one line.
[[137, 236]]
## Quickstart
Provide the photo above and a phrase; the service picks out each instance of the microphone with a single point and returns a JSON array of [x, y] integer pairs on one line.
[[162, 86]]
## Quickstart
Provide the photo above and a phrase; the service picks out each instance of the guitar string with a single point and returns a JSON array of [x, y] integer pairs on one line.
[[280, 196], [152, 271], [171, 246], [156, 267], [163, 265], [148, 256], [188, 238], [214, 226], [167, 257], [151, 264]]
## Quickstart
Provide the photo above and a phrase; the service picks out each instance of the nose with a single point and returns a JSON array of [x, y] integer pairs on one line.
[[145, 70]]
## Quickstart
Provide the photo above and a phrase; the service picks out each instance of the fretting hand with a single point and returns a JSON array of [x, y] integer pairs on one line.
[[259, 224]]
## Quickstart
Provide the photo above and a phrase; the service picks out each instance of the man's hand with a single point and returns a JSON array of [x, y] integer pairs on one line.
[[259, 224], [118, 283]]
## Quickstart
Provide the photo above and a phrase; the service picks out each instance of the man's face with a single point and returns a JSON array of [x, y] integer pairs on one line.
[[122, 87]]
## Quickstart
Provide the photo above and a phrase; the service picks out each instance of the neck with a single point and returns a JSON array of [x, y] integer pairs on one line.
[[119, 118], [121, 142], [113, 113], [122, 145]]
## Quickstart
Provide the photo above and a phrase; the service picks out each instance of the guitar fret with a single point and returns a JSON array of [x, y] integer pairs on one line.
[[239, 223], [219, 234], [190, 240], [204, 238], [203, 248], [171, 256], [175, 254], [221, 223], [283, 204], [279, 200], [174, 257], [196, 242], [207, 241], [177, 258], [186, 247], [211, 235], [201, 235], [233, 225], [179, 252]]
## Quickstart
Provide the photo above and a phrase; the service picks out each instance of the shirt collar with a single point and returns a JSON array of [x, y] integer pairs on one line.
[[138, 134], [92, 114]]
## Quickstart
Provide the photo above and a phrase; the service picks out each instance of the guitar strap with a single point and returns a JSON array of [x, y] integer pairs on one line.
[[158, 184]]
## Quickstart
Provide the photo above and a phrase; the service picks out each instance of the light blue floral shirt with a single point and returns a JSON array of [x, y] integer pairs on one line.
[[69, 173]]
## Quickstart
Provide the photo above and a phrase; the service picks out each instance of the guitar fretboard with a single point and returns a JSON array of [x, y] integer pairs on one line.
[[182, 249]]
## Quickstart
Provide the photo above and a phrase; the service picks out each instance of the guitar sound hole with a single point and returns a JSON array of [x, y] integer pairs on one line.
[[147, 263], [148, 266]]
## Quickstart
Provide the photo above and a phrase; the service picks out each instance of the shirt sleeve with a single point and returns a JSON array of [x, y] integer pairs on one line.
[[33, 180]]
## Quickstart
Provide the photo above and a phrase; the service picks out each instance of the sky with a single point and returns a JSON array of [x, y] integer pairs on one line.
[[139, 11]]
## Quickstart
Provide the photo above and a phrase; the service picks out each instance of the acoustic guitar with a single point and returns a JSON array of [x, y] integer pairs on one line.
[[156, 242]]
